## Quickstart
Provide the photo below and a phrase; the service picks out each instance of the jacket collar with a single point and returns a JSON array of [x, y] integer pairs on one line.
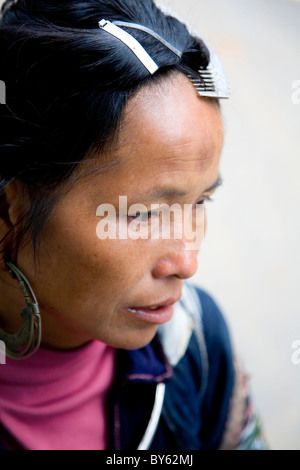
[[148, 364]]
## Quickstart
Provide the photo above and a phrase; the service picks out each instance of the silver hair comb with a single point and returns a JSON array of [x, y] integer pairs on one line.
[[212, 81]]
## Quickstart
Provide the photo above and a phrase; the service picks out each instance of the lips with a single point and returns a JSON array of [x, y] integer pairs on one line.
[[156, 314], [157, 306]]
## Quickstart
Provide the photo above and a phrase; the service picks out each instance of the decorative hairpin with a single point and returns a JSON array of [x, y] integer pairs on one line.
[[130, 42], [152, 33], [212, 81]]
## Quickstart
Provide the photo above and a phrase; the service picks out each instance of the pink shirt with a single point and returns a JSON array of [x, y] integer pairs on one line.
[[58, 400]]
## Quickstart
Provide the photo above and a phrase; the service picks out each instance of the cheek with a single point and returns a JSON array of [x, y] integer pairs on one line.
[[81, 266]]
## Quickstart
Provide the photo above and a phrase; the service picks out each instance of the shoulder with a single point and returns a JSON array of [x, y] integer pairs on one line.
[[215, 326], [220, 355], [236, 425], [220, 369]]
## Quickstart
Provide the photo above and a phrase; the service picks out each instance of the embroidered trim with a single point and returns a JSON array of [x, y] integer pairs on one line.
[[243, 428]]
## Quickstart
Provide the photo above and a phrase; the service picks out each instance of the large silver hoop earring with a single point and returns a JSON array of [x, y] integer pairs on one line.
[[27, 341]]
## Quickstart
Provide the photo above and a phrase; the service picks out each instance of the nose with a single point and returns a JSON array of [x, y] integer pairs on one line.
[[181, 262]]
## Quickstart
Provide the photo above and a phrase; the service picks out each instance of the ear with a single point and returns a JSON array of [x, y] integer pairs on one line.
[[9, 214]]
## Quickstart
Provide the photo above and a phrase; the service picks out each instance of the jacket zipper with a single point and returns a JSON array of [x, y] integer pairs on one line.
[[154, 419]]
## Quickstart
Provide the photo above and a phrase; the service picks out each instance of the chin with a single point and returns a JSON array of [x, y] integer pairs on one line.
[[133, 340]]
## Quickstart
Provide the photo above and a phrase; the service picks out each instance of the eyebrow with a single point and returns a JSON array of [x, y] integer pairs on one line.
[[171, 192]]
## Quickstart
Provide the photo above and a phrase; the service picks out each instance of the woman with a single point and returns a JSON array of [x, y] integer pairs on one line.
[[109, 102]]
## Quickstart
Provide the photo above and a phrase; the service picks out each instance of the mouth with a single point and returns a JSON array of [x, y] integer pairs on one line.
[[156, 313]]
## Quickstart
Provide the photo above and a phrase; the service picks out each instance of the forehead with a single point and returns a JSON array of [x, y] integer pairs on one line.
[[166, 120], [168, 137]]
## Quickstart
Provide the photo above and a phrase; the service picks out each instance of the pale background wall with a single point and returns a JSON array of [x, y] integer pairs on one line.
[[251, 259]]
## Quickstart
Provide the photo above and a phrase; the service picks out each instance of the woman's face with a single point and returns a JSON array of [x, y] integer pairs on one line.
[[87, 288]]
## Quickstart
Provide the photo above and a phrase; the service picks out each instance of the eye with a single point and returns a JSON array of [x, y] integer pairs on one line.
[[143, 216], [202, 202]]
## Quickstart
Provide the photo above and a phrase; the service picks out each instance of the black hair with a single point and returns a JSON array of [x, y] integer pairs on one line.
[[67, 84]]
